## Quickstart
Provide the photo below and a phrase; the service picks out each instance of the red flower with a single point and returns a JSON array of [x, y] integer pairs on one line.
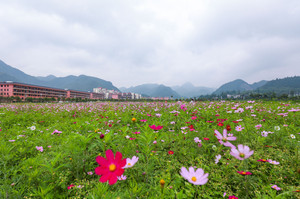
[[191, 126], [235, 122], [171, 152], [228, 127], [156, 128], [233, 197], [69, 187], [244, 173], [111, 167], [220, 124], [205, 138], [262, 160]]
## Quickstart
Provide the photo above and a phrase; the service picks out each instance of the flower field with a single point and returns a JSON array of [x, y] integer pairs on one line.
[[220, 149]]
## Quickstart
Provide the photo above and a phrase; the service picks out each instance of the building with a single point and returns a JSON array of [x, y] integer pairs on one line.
[[15, 89]]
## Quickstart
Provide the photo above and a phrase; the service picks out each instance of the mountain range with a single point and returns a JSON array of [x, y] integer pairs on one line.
[[239, 85], [188, 90], [81, 82]]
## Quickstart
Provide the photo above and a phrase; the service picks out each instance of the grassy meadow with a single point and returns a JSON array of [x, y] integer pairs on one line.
[[232, 149]]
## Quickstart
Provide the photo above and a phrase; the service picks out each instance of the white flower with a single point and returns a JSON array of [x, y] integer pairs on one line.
[[214, 147], [130, 162], [293, 136], [277, 128], [32, 128], [127, 137]]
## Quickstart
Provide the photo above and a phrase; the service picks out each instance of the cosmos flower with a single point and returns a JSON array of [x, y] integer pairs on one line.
[[244, 173], [239, 128], [170, 152], [122, 177], [111, 167], [195, 177], [156, 128], [273, 162], [131, 162], [39, 148], [72, 185], [223, 139], [218, 157], [276, 187], [262, 160], [242, 153]]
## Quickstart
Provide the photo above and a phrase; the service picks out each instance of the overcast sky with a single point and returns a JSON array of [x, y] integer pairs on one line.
[[131, 42]]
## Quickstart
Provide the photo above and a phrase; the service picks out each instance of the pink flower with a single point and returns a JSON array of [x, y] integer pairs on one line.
[[223, 139], [39, 148], [232, 197], [131, 162], [156, 128], [143, 120], [218, 157], [243, 152], [56, 131], [195, 177], [111, 167], [273, 162], [276, 187], [258, 126], [122, 177], [90, 173], [239, 128]]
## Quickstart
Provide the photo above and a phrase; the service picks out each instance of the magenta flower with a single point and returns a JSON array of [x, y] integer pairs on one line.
[[156, 128], [111, 167], [244, 173], [195, 177], [223, 139], [242, 153]]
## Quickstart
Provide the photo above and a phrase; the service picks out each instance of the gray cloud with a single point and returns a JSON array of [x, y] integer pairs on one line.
[[127, 42]]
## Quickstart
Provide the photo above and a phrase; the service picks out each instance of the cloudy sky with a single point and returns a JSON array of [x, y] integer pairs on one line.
[[131, 42]]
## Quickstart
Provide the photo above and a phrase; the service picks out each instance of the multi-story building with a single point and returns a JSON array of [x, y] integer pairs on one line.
[[14, 89]]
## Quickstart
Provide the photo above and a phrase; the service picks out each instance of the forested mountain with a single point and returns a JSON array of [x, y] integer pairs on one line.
[[82, 82], [153, 90], [188, 90]]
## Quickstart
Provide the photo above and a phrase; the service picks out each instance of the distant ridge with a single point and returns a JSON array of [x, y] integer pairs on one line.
[[236, 85], [188, 90], [82, 82], [153, 90]]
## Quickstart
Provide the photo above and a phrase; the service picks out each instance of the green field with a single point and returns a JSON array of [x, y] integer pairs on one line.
[[50, 150]]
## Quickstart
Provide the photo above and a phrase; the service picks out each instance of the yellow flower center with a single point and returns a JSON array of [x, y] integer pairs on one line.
[[244, 173], [112, 167], [129, 164], [224, 140], [194, 179], [242, 155], [264, 160]]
